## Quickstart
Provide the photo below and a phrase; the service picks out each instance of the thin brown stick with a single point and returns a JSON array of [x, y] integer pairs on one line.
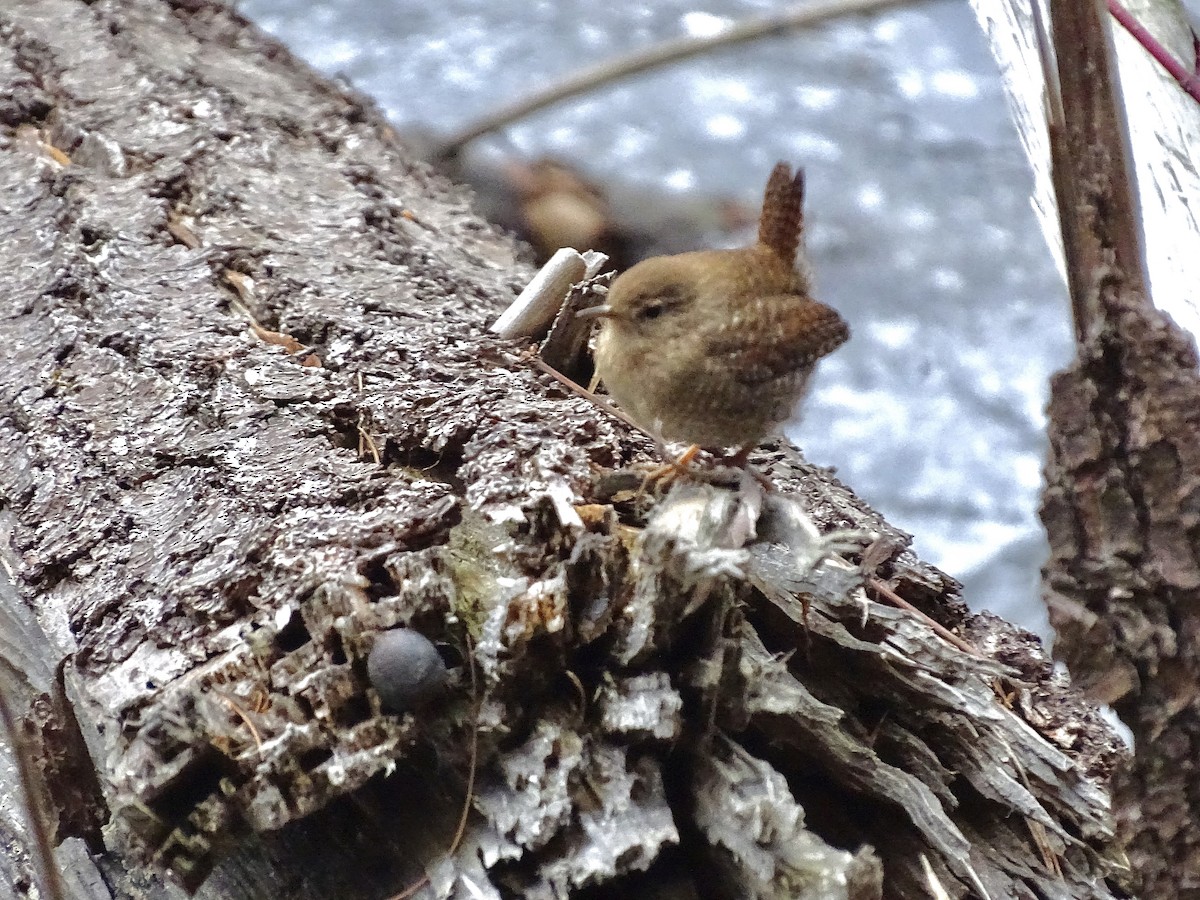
[[365, 441], [473, 764], [579, 389], [659, 55], [245, 717], [896, 600], [49, 880]]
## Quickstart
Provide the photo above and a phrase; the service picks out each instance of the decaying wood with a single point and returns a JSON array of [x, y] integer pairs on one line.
[[680, 696], [1123, 480]]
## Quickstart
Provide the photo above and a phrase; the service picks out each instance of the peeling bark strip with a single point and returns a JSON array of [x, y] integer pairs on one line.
[[690, 695]]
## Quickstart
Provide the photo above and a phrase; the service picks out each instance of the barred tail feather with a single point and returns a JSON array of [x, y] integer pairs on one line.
[[782, 222]]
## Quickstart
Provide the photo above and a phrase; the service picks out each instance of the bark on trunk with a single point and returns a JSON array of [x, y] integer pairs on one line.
[[1122, 501], [1121, 508], [209, 523]]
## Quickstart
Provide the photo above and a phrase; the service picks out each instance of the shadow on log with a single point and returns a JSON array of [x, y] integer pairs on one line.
[[252, 419]]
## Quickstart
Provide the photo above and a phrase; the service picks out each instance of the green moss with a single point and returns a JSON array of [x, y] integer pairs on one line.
[[476, 568]]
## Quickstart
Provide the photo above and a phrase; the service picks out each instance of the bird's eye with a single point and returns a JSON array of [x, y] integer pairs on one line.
[[664, 300]]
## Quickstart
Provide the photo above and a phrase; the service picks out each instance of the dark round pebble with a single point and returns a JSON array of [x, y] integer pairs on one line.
[[405, 669]]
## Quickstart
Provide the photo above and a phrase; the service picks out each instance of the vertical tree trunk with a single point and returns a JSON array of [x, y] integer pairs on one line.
[[1123, 480]]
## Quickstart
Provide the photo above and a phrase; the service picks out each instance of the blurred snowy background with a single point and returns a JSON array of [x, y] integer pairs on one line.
[[920, 228]]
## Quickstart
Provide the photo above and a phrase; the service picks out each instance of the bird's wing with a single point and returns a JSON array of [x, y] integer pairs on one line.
[[776, 336]]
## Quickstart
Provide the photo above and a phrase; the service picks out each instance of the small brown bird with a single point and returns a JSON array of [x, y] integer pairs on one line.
[[715, 347]]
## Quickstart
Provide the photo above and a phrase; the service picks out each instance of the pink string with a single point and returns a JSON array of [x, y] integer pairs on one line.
[[1187, 80]]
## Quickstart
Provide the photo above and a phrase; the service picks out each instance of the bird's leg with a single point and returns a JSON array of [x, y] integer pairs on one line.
[[741, 460], [685, 458], [673, 469], [742, 457]]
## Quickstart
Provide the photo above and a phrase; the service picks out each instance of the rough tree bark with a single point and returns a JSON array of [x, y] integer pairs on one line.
[[1122, 501], [208, 525]]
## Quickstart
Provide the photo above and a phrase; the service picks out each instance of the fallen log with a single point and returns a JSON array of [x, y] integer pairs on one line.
[[252, 420]]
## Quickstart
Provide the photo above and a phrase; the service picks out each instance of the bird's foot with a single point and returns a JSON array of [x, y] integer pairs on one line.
[[679, 467], [741, 460]]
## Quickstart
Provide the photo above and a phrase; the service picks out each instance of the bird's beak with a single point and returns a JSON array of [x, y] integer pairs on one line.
[[603, 311]]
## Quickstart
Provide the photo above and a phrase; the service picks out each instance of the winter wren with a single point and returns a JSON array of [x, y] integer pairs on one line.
[[715, 347]]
